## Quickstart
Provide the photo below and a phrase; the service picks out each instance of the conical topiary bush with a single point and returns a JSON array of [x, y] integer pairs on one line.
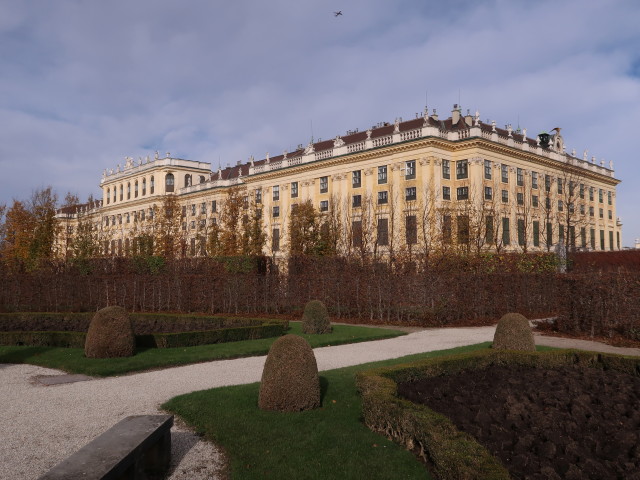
[[315, 318], [110, 334], [514, 333], [290, 381]]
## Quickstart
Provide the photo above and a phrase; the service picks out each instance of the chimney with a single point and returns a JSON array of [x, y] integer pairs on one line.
[[455, 114], [468, 119]]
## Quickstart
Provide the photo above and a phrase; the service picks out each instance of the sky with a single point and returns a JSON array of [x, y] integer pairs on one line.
[[85, 83]]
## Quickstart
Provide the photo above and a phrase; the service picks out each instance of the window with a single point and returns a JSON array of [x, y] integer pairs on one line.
[[142, 213], [601, 239], [275, 240], [187, 180], [572, 188], [592, 237], [462, 193], [582, 210], [356, 231], [547, 203], [152, 185], [128, 217], [583, 237], [382, 174], [383, 197], [487, 169], [534, 179], [108, 196], [609, 198], [521, 236], [276, 192], [591, 211], [276, 211], [559, 185], [571, 207], [410, 170], [560, 206], [411, 229], [169, 182], [410, 194], [536, 233], [383, 231], [591, 189], [488, 229], [258, 195], [192, 225], [128, 191], [505, 196], [294, 189], [610, 240], [324, 184], [446, 193], [324, 206], [245, 202], [122, 193], [601, 213], [184, 225], [135, 190], [462, 169], [446, 169], [610, 215], [356, 201], [549, 234], [463, 229], [506, 236], [519, 177], [488, 193], [504, 171], [547, 183], [184, 210], [534, 200], [520, 198], [119, 219], [203, 208], [193, 209], [600, 195], [446, 229], [202, 223], [560, 233], [582, 190], [214, 207], [356, 178]]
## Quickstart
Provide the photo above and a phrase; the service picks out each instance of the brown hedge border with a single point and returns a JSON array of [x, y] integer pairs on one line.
[[454, 454]]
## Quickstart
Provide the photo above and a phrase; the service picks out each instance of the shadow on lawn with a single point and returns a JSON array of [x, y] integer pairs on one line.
[[21, 355], [324, 386]]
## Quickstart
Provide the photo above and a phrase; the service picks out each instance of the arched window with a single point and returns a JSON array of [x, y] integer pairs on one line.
[[135, 189], [129, 191], [144, 186], [201, 178], [169, 182], [152, 184], [108, 195], [121, 192], [114, 194], [187, 180]]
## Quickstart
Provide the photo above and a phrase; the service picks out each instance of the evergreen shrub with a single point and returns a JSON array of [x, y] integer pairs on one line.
[[514, 333], [315, 318], [290, 381], [110, 334]]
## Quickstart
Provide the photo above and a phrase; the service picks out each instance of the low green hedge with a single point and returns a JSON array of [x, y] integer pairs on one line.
[[222, 335], [225, 330], [44, 339], [454, 454]]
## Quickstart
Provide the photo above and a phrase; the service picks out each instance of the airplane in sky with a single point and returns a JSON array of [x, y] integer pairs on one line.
[[338, 13]]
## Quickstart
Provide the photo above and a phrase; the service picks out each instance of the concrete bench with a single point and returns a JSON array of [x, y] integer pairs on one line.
[[131, 449]]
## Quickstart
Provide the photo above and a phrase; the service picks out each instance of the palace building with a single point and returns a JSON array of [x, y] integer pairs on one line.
[[452, 183]]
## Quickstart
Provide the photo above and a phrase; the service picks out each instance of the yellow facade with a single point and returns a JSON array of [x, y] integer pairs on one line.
[[549, 196]]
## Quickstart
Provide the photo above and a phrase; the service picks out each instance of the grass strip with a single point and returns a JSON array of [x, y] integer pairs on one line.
[[327, 443], [73, 360]]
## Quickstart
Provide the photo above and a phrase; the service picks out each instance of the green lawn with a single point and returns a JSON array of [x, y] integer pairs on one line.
[[73, 360], [330, 442]]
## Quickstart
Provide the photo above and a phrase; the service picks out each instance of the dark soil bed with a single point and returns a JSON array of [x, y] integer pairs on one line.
[[569, 422]]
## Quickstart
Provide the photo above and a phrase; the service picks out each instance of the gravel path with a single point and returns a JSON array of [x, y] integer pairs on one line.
[[42, 425]]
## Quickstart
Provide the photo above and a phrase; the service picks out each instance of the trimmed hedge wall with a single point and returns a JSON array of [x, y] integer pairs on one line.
[[454, 454], [152, 330]]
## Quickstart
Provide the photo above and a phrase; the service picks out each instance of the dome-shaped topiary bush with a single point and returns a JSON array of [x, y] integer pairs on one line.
[[110, 334], [290, 380], [514, 333], [315, 318]]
